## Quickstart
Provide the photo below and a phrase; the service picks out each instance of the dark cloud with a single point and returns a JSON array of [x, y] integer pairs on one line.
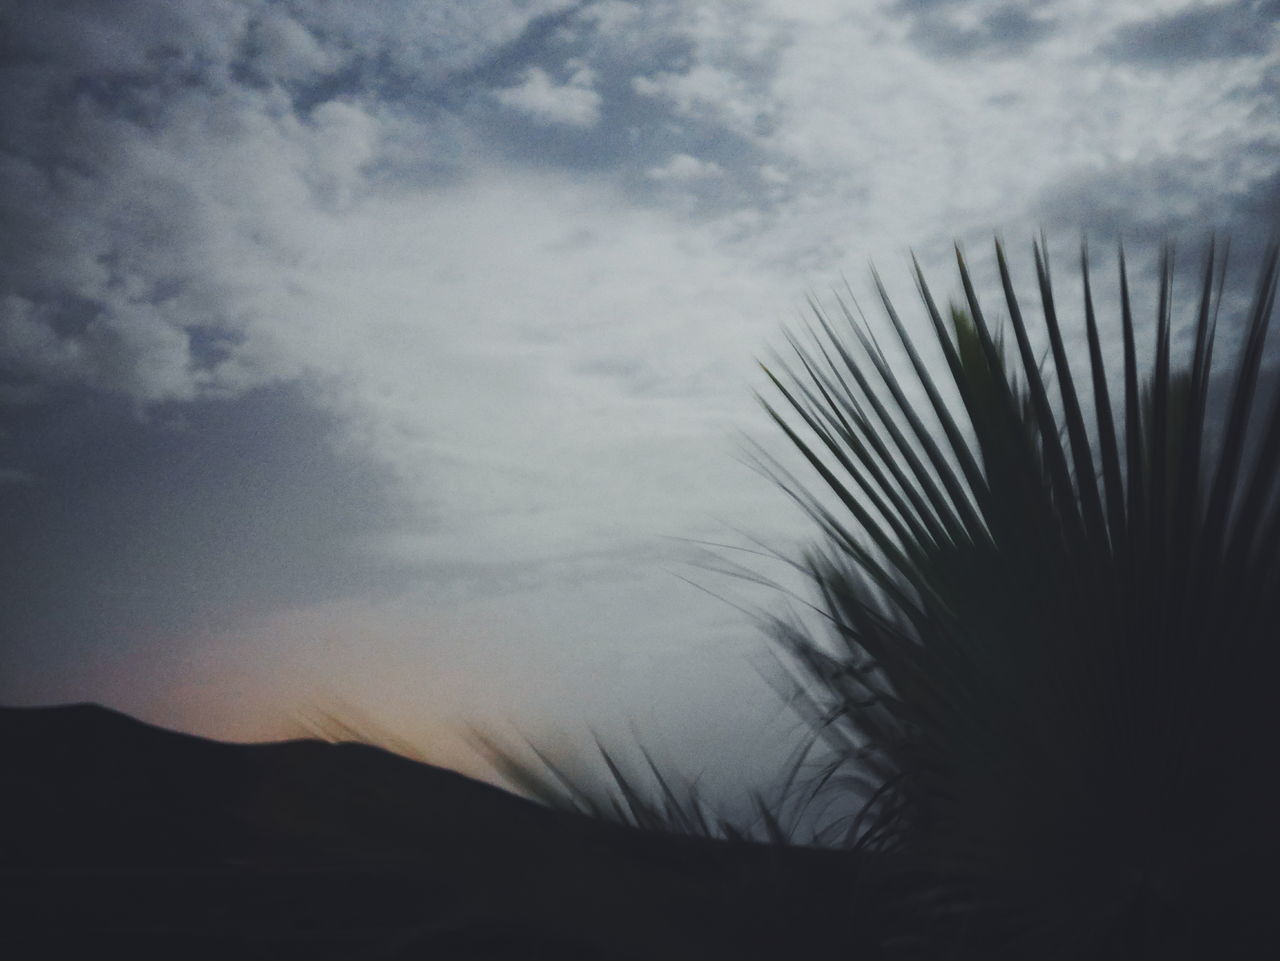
[[942, 29], [1152, 199], [1221, 31], [1174, 198], [1182, 203], [1263, 93], [131, 531]]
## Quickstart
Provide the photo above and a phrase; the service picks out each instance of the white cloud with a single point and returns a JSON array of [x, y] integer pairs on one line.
[[682, 166], [574, 103], [195, 220], [612, 16], [212, 214], [709, 93], [286, 50], [524, 422]]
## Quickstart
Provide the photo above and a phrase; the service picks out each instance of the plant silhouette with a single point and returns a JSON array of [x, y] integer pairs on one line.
[[1051, 595]]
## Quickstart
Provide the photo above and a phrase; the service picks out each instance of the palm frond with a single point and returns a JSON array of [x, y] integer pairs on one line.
[[652, 799], [1041, 699], [1055, 656]]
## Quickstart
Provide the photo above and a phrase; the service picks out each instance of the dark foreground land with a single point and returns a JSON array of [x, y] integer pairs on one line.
[[119, 839]]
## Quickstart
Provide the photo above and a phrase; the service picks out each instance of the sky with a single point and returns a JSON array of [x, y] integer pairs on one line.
[[395, 358]]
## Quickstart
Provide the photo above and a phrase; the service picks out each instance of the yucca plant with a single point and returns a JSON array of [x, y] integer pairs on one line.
[[1053, 600]]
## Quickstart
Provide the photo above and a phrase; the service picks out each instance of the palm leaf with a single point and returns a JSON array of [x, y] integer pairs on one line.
[[1042, 702], [1054, 659]]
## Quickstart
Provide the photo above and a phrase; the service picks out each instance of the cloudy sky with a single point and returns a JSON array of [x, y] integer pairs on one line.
[[391, 354]]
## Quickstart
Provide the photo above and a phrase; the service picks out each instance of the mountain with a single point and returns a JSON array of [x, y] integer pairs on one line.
[[122, 839]]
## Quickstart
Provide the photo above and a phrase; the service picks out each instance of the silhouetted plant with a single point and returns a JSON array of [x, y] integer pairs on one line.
[[656, 799], [1052, 606], [1053, 632]]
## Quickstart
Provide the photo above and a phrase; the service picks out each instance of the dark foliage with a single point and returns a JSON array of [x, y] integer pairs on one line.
[[1051, 593], [1054, 607]]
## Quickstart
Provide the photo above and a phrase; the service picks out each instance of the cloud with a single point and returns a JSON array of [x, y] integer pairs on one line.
[[958, 28], [465, 369], [150, 196], [1175, 198], [168, 169], [183, 220], [1143, 199], [573, 103], [612, 17], [1200, 32], [192, 241], [277, 48], [126, 37], [518, 258], [1183, 203], [135, 531], [709, 93], [407, 47], [682, 167]]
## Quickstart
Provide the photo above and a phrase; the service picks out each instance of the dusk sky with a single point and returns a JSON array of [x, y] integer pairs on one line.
[[392, 354]]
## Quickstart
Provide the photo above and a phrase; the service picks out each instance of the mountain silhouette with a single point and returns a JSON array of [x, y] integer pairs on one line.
[[124, 839]]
